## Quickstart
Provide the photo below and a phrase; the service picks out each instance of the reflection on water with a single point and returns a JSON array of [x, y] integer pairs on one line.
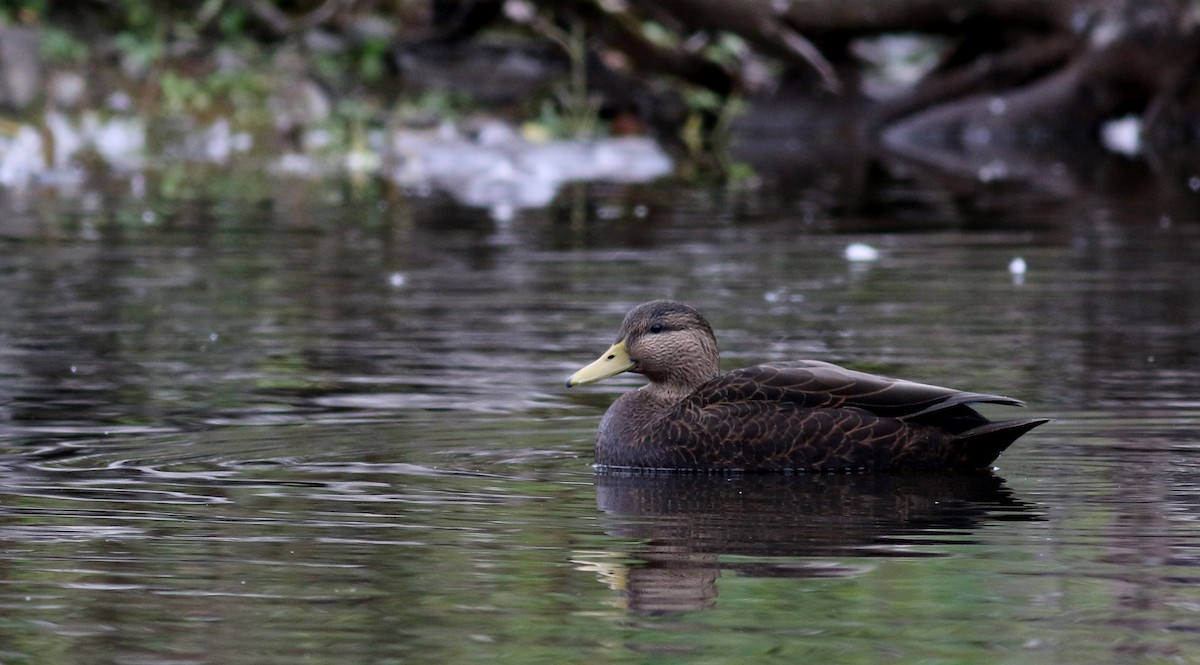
[[775, 525], [327, 424]]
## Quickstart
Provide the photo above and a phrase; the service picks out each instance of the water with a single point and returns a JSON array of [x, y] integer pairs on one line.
[[326, 423]]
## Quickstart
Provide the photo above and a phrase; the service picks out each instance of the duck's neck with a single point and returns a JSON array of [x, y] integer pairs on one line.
[[684, 379], [672, 392]]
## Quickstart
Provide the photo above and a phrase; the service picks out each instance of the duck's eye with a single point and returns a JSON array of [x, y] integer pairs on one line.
[[656, 327]]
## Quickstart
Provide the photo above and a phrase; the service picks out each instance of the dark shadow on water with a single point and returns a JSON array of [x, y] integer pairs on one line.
[[693, 528]]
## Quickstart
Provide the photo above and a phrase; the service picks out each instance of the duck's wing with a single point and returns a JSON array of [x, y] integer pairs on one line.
[[773, 436], [757, 435], [816, 384]]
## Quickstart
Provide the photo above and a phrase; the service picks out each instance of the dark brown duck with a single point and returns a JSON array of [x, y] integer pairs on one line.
[[804, 415]]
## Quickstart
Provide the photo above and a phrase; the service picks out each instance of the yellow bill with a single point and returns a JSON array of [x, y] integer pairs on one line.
[[612, 362]]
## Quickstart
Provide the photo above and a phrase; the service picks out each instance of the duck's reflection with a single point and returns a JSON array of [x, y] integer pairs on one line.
[[691, 528]]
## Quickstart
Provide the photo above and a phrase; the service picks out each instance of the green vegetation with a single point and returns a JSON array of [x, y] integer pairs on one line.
[[280, 71], [61, 47]]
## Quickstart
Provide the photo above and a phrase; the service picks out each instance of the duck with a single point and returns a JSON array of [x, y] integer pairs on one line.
[[798, 416]]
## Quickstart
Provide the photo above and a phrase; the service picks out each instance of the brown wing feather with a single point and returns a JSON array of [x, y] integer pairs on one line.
[[815, 384], [760, 435]]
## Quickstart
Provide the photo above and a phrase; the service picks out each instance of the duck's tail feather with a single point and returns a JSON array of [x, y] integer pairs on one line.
[[960, 399], [983, 444]]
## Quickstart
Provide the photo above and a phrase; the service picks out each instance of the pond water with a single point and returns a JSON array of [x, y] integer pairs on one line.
[[325, 423]]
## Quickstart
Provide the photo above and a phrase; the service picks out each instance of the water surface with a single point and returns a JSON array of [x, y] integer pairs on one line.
[[327, 424]]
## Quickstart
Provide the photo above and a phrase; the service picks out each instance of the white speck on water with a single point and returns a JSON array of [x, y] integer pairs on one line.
[[783, 296], [1017, 266], [148, 217], [397, 279], [1123, 135], [1150, 359], [1194, 183], [640, 211], [212, 337], [860, 252], [74, 369]]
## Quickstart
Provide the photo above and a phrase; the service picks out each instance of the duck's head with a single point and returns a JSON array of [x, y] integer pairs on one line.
[[667, 341]]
